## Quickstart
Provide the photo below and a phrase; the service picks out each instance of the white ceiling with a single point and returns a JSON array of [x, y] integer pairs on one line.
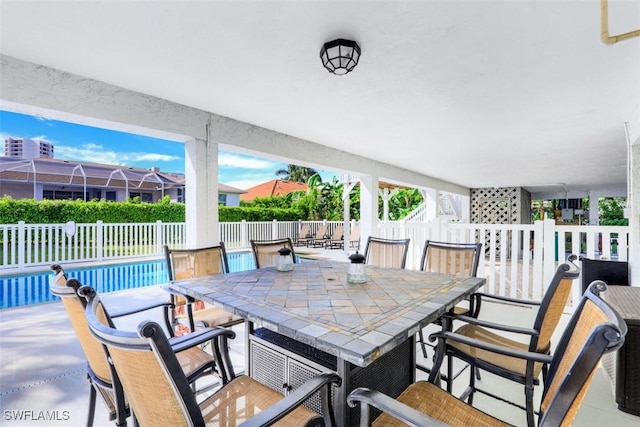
[[478, 93]]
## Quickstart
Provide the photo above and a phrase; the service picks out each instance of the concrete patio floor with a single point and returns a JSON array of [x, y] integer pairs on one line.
[[43, 368]]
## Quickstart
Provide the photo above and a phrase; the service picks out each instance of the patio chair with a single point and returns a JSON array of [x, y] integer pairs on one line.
[[190, 263], [103, 380], [319, 238], [354, 237], [593, 330], [386, 253], [336, 240], [304, 236], [159, 393], [265, 252], [521, 370], [458, 259]]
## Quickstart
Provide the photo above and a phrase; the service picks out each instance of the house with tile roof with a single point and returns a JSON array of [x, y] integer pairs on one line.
[[56, 179], [275, 187]]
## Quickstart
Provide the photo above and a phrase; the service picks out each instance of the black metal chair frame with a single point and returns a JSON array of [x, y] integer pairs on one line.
[[150, 338], [190, 300], [564, 271], [284, 242], [388, 242], [72, 289], [604, 338]]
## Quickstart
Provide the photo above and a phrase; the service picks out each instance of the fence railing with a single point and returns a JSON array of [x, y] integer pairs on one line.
[[519, 259]]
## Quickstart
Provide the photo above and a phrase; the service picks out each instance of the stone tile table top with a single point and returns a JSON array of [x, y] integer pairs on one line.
[[315, 304]]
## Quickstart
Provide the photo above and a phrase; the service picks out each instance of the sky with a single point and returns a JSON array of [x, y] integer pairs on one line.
[[89, 144]]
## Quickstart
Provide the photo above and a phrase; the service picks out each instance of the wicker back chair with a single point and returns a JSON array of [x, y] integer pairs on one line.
[[265, 252], [386, 253], [458, 259], [190, 263], [102, 378], [594, 329], [159, 393], [523, 371]]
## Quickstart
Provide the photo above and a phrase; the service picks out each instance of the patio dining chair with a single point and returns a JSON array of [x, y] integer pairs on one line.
[[386, 253], [103, 380], [505, 365], [159, 393], [593, 330], [190, 263], [265, 252], [457, 259]]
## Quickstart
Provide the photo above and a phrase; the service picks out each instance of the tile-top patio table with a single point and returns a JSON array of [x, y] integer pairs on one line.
[[311, 319]]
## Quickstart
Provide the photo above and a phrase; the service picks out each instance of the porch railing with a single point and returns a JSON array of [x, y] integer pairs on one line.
[[519, 259]]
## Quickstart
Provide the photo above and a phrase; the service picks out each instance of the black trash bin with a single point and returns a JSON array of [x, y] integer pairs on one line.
[[610, 272]]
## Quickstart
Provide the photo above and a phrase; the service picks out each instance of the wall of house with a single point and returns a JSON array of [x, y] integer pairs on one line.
[[233, 199], [18, 190]]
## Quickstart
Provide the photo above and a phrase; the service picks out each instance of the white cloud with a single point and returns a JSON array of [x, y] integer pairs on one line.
[[237, 161], [97, 153]]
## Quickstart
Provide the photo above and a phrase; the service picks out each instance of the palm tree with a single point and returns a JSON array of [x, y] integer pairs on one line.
[[296, 173]]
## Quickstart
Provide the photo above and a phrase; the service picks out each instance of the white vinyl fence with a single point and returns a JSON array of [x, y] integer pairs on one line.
[[519, 259]]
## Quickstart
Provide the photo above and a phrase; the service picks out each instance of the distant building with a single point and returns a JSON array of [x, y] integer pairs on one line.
[[54, 179], [274, 187], [25, 148]]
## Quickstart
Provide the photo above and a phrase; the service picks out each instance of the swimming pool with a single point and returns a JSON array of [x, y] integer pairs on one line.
[[27, 289]]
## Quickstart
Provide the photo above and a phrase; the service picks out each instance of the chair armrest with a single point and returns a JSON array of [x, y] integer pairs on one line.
[[493, 325], [199, 337], [165, 304], [527, 355], [293, 400], [481, 295], [389, 405]]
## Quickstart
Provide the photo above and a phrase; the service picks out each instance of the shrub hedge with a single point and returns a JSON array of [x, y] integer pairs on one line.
[[61, 211]]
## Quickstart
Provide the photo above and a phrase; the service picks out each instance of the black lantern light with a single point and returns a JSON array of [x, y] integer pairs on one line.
[[340, 56]]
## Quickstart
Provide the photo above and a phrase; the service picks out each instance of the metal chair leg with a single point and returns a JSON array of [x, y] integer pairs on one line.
[[92, 405]]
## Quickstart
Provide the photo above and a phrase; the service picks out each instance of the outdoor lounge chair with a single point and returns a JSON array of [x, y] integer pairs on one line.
[[265, 252], [336, 240], [103, 380], [189, 263], [159, 393], [319, 238], [594, 329], [304, 236], [354, 237], [386, 253], [521, 370]]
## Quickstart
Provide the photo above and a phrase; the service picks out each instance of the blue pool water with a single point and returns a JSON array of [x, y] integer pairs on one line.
[[26, 289]]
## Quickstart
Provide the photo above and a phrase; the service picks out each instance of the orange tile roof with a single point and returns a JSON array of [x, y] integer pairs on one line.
[[274, 187]]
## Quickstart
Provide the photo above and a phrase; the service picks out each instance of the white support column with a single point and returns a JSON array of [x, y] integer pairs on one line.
[[465, 209], [346, 200], [201, 198], [386, 196], [368, 206], [633, 129], [430, 196]]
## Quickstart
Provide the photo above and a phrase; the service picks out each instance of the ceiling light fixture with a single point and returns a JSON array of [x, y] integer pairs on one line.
[[340, 56]]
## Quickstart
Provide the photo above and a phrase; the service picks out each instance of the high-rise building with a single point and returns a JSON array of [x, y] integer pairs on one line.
[[25, 148]]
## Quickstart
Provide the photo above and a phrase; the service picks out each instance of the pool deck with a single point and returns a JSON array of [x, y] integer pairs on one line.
[[43, 368]]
